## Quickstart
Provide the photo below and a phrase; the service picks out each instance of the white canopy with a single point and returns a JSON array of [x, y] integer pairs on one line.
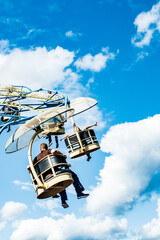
[[82, 104], [22, 136]]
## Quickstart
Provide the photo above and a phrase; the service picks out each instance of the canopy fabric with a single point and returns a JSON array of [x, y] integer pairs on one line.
[[82, 104], [22, 136]]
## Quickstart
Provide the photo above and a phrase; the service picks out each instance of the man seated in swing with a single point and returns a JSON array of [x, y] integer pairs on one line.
[[77, 184]]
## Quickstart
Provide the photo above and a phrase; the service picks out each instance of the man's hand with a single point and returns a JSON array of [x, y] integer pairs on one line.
[[29, 168], [56, 152], [53, 151]]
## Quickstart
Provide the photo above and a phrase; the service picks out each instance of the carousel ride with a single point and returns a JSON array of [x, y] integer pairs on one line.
[[43, 113]]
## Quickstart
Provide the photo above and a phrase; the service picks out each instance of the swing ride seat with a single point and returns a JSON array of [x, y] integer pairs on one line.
[[81, 143], [54, 126], [53, 171], [51, 128]]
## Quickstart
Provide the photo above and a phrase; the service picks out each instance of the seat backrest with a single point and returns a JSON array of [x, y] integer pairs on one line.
[[44, 163]]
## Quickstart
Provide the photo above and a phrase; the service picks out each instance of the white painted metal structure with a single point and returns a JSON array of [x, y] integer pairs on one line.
[[50, 175]]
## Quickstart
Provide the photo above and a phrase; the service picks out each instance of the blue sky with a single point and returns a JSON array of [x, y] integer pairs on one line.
[[108, 50]]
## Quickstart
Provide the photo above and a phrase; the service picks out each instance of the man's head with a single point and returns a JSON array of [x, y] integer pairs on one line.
[[43, 147]]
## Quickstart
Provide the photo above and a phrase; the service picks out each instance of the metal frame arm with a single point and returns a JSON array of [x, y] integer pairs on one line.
[[40, 184]]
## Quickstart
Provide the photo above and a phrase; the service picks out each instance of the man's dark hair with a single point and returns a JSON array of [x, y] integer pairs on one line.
[[44, 145]]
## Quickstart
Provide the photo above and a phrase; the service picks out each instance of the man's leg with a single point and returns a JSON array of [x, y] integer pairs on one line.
[[78, 186], [64, 198], [88, 157]]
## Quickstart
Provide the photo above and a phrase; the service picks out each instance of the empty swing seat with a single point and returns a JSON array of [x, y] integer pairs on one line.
[[54, 173], [52, 128], [81, 143]]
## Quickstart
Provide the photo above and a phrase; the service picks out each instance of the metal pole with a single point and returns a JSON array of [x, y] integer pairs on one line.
[[40, 185], [76, 130]]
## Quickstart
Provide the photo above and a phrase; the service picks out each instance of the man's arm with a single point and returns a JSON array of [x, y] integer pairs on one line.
[[56, 152], [91, 126], [34, 161], [29, 168]]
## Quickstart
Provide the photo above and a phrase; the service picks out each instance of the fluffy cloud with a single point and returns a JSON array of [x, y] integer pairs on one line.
[[141, 55], [90, 117], [132, 168], [91, 80], [95, 63], [23, 185], [4, 46], [70, 227], [49, 69], [147, 23], [151, 230], [48, 204], [2, 225], [36, 68], [70, 34], [12, 210]]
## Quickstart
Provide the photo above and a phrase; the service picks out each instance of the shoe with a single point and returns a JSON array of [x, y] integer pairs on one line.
[[55, 196], [83, 195], [65, 205], [89, 157]]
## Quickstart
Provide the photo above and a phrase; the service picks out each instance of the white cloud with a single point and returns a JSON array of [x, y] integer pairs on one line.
[[15, 224], [91, 80], [147, 23], [70, 34], [41, 68], [90, 117], [2, 225], [95, 63], [49, 69], [32, 32], [48, 204], [53, 213], [71, 227], [37, 68], [4, 46], [26, 188], [71, 86], [23, 185], [12, 210], [141, 55], [127, 173], [151, 230]]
